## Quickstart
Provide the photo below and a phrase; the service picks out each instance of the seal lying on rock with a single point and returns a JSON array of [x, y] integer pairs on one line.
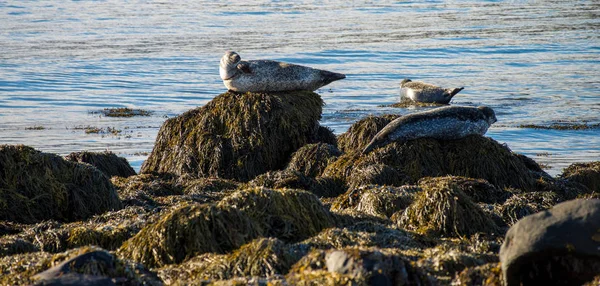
[[425, 92], [446, 123], [265, 75]]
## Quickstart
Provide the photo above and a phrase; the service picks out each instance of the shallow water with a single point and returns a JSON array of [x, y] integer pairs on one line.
[[534, 63]]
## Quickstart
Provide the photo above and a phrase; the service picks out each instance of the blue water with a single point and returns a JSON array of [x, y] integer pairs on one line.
[[534, 63]]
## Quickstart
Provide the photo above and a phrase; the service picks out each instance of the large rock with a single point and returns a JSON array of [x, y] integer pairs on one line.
[[474, 156], [36, 186], [236, 136], [559, 246]]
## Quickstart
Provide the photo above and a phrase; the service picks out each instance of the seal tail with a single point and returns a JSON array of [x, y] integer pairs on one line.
[[454, 91], [328, 77]]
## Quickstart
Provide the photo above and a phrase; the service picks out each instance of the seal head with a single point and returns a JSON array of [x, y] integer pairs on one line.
[[228, 65]]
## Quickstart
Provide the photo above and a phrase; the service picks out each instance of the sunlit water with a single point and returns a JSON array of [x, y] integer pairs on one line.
[[533, 63]]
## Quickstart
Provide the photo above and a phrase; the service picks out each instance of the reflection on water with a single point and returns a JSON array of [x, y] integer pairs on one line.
[[534, 63]]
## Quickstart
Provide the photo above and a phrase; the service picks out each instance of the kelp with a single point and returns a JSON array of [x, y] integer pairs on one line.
[[107, 162], [311, 159], [36, 186]]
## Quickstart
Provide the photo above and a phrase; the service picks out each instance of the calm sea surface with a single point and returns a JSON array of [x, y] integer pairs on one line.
[[532, 62]]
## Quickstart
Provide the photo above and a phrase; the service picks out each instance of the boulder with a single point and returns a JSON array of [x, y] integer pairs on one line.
[[312, 159], [236, 136], [360, 133], [36, 186], [558, 246], [107, 162]]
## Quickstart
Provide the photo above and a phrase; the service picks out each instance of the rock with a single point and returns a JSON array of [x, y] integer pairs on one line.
[[39, 186], [107, 162], [312, 159], [443, 209], [236, 136], [474, 156], [360, 133], [193, 229], [559, 246], [587, 174], [296, 180]]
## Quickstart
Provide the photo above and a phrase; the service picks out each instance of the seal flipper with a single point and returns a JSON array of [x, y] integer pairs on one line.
[[328, 77], [244, 67], [454, 91]]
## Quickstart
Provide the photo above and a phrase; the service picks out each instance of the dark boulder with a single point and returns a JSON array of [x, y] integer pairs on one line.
[[559, 246], [107, 162]]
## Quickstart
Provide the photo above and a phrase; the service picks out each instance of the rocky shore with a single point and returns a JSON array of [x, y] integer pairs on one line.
[[250, 189]]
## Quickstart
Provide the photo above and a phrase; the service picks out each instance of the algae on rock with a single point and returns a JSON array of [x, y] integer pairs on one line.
[[311, 159], [587, 174], [236, 136], [36, 186], [443, 209], [107, 162]]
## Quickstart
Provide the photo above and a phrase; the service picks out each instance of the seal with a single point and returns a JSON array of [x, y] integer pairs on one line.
[[428, 93], [266, 75], [445, 123]]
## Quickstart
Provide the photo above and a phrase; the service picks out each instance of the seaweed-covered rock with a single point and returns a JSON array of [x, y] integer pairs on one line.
[[376, 200], [587, 174], [360, 133], [355, 266], [479, 190], [376, 174], [107, 162], [287, 214], [443, 209], [326, 136], [312, 159], [193, 229], [521, 205], [262, 257], [362, 234], [36, 186], [236, 136], [473, 157], [559, 246], [187, 231], [321, 187], [86, 264]]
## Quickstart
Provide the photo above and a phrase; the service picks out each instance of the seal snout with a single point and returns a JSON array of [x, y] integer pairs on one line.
[[489, 114]]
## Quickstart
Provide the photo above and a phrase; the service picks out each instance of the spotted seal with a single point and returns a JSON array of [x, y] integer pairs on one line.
[[424, 92], [266, 75], [446, 123]]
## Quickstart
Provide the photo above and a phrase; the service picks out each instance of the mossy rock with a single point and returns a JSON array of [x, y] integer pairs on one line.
[[362, 234], [21, 269], [326, 136], [193, 229], [587, 174], [187, 231], [376, 174], [407, 102], [107, 162], [36, 186], [262, 257], [479, 190], [355, 266], [236, 136], [521, 205], [443, 209], [376, 200], [312, 159], [296, 180], [474, 156], [207, 190], [360, 133], [142, 190], [287, 214]]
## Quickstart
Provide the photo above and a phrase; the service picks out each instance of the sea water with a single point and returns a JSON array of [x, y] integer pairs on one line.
[[533, 62]]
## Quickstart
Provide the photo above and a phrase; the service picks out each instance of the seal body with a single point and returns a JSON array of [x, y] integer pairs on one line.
[[266, 75], [425, 92], [446, 123]]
